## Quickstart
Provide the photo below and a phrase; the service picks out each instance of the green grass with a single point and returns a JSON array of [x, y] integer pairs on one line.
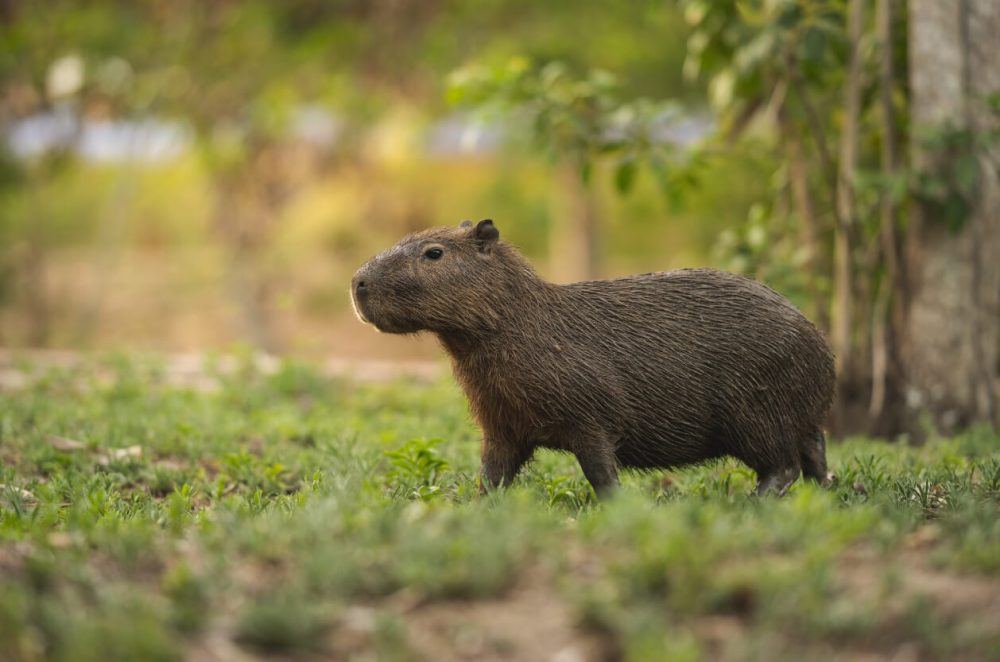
[[305, 517]]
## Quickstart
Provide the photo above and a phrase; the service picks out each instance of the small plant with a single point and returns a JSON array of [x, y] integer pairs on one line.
[[418, 460], [565, 491]]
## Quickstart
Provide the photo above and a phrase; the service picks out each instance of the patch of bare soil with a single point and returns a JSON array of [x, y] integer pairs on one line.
[[909, 583], [188, 370], [531, 623]]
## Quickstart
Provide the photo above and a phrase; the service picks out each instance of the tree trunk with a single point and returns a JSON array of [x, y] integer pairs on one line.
[[887, 314], [842, 331], [35, 270], [953, 320], [249, 198], [35, 267], [242, 230], [816, 263], [573, 240]]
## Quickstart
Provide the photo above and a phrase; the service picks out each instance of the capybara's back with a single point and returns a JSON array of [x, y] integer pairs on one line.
[[650, 371]]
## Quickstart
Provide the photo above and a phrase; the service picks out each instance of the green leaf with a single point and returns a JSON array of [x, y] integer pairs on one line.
[[814, 45], [625, 176]]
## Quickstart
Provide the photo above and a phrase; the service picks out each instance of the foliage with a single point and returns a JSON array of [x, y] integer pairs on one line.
[[279, 514], [750, 50], [575, 119], [948, 186]]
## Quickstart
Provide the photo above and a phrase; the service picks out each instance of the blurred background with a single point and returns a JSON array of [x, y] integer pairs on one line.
[[189, 176]]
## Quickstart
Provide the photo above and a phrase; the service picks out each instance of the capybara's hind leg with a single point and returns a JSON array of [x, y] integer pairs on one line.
[[778, 480], [813, 457]]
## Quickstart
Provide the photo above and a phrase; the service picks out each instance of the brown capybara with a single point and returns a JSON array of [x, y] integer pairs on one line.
[[651, 371]]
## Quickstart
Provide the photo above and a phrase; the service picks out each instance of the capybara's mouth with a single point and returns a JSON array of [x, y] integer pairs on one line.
[[358, 312], [363, 310]]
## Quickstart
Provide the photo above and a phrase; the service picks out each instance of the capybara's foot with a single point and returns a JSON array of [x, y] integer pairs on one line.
[[813, 458], [778, 480]]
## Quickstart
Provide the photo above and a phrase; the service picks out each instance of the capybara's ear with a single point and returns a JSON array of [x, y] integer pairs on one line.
[[486, 234], [465, 224]]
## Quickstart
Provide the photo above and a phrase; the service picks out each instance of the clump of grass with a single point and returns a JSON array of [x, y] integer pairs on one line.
[[284, 622]]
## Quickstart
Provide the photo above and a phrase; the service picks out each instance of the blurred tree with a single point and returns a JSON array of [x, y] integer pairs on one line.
[[36, 78], [577, 122], [911, 334], [582, 122], [239, 75], [953, 323], [845, 237]]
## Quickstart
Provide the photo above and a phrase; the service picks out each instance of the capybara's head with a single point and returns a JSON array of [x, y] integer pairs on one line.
[[441, 280]]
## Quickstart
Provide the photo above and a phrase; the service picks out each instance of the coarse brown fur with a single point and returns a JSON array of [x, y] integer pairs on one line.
[[651, 371]]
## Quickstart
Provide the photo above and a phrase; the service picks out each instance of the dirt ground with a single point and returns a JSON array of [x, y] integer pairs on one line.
[[188, 369]]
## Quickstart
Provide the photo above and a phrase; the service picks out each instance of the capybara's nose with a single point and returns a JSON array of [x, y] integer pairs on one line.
[[360, 285]]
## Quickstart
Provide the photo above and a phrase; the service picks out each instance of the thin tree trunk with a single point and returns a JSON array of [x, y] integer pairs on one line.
[[573, 239], [887, 320], [35, 270], [245, 282], [953, 320], [816, 264], [983, 76], [108, 249], [249, 200], [841, 335]]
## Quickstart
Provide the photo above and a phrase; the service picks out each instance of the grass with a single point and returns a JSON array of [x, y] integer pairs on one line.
[[295, 515]]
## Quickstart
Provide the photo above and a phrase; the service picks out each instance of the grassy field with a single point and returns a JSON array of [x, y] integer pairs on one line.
[[296, 516]]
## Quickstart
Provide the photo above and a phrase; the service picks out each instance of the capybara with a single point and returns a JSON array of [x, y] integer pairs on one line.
[[651, 371]]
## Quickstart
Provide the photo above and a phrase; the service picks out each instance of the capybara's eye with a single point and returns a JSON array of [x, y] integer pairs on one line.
[[433, 253]]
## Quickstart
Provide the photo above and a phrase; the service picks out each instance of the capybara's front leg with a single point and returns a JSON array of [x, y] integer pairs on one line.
[[597, 459], [500, 464]]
